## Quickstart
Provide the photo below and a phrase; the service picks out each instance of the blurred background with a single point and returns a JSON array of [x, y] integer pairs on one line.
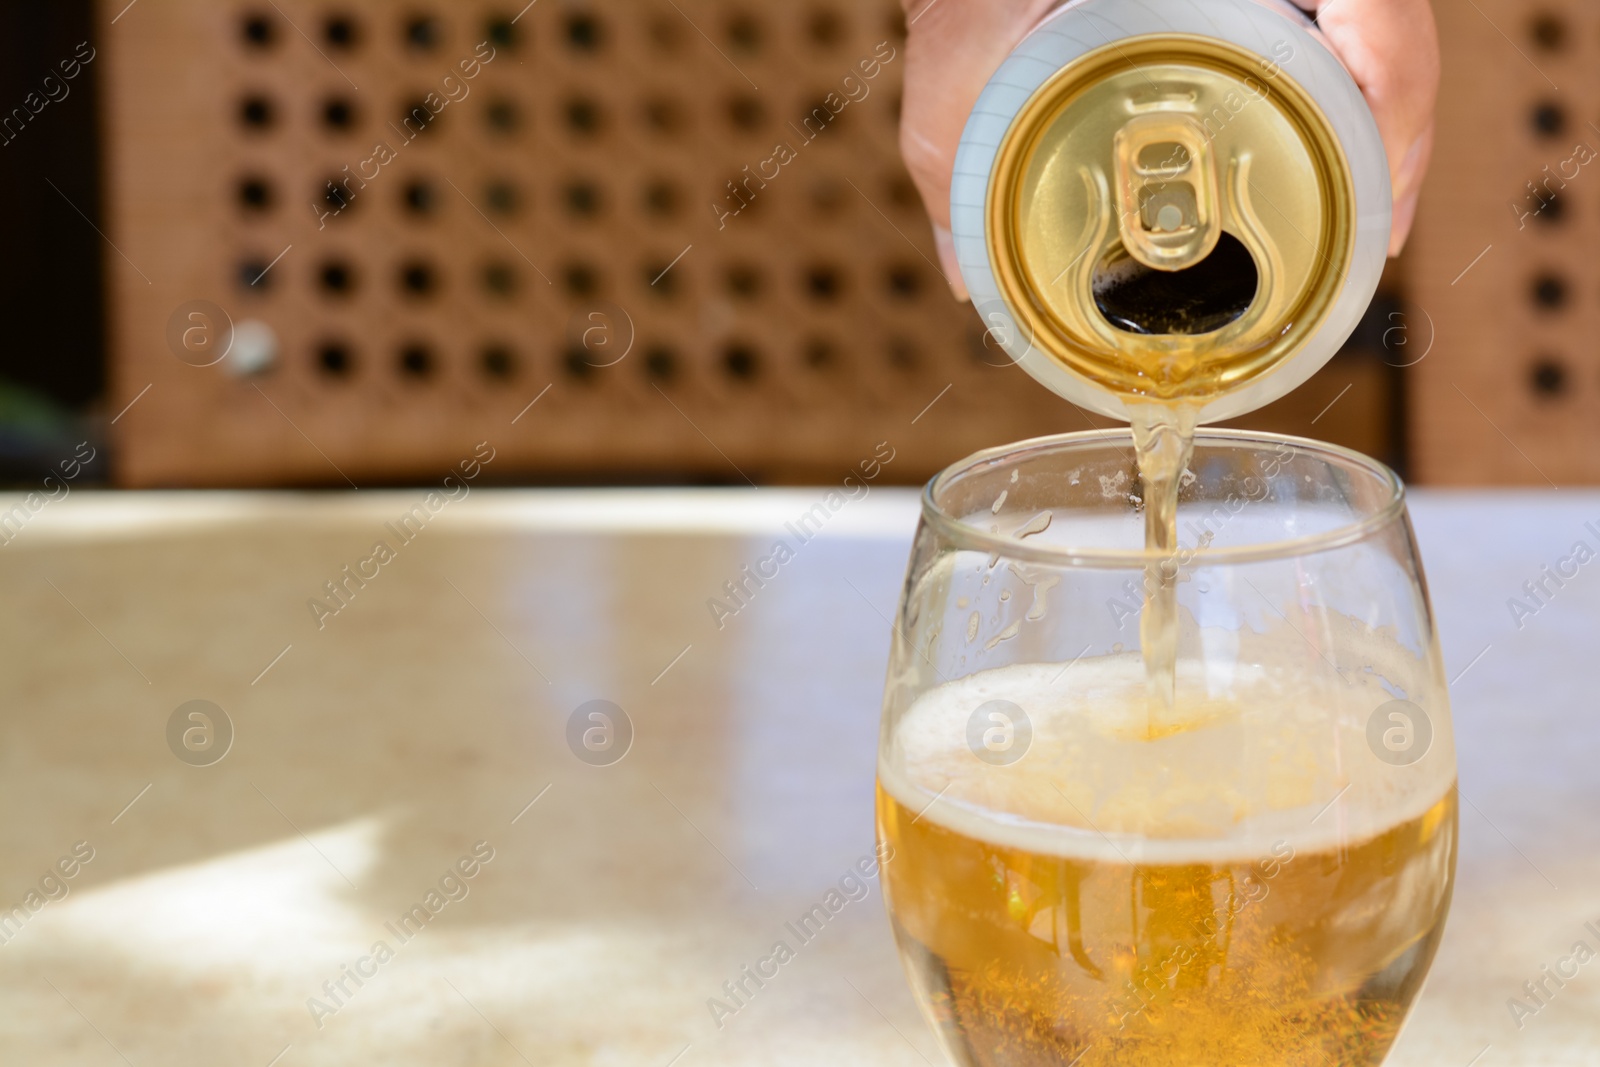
[[306, 243]]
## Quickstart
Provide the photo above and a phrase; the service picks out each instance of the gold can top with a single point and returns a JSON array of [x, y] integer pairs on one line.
[[1170, 216]]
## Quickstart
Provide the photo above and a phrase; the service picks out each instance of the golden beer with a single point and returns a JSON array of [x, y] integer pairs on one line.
[[1112, 898]]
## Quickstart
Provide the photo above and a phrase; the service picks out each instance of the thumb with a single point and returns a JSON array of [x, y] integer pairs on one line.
[[1391, 48], [952, 48]]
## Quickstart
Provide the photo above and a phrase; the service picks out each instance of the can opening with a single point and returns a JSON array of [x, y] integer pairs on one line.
[[1195, 300]]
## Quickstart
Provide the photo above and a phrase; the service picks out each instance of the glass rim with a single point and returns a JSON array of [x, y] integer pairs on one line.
[[961, 534]]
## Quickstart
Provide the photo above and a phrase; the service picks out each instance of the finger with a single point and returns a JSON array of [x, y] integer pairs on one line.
[[1408, 186], [1391, 49], [945, 245], [952, 48]]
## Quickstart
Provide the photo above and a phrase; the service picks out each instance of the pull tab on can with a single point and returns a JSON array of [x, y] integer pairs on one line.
[[1167, 190]]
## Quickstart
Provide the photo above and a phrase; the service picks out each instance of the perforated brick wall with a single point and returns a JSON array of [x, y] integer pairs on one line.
[[1502, 273], [554, 226]]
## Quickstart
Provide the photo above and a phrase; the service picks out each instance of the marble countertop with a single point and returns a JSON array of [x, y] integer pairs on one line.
[[394, 769]]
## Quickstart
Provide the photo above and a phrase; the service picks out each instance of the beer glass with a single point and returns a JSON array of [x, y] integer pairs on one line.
[[1259, 874]]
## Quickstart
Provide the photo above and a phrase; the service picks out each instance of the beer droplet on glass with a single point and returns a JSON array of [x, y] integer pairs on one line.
[[1038, 524], [1004, 635]]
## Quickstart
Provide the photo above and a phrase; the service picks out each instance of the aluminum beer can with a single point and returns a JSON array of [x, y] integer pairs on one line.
[[1171, 200]]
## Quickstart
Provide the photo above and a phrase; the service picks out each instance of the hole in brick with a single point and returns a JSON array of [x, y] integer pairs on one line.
[[257, 113], [740, 362], [583, 199], [821, 354], [741, 195], [828, 196], [338, 114], [1549, 291], [334, 360], [667, 33], [895, 24], [661, 363], [498, 362], [661, 199], [419, 198], [337, 278], [501, 198], [824, 283], [584, 116], [984, 347], [418, 278], [577, 365], [663, 115], [416, 360], [902, 354], [744, 33], [746, 112], [1548, 119], [1551, 211], [903, 281], [744, 281], [903, 193], [825, 28], [1548, 377], [254, 276], [255, 194], [1548, 31], [423, 33], [584, 33], [502, 115], [581, 279], [259, 30], [340, 31], [499, 279], [501, 32], [336, 195], [660, 278]]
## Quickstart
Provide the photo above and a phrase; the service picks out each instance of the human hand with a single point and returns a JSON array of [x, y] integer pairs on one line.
[[1391, 49], [953, 47]]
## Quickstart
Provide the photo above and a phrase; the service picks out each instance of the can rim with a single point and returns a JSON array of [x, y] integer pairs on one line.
[[959, 533], [1063, 341], [1083, 25]]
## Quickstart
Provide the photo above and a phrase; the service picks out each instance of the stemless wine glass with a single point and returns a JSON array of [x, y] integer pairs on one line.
[[1259, 875]]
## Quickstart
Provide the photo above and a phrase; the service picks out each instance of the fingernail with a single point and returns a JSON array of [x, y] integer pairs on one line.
[[946, 246], [1407, 177], [1404, 213]]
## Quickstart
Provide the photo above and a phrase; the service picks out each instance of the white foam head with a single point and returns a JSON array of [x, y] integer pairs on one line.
[[1273, 747]]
